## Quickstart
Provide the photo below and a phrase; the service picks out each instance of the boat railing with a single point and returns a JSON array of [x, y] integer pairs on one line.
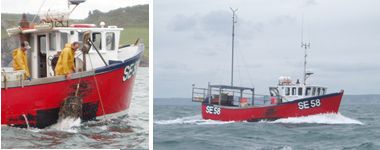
[[198, 94], [9, 74], [261, 100], [229, 97]]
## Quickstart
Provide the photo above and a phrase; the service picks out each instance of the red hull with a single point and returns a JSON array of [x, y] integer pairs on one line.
[[303, 107], [40, 103]]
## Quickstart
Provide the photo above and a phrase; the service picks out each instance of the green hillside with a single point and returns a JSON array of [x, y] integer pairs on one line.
[[134, 20], [136, 16], [12, 20]]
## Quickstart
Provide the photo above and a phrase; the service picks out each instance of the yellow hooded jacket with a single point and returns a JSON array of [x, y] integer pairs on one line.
[[20, 62], [65, 64]]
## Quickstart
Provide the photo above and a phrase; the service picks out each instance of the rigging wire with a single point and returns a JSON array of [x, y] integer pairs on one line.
[[97, 88], [39, 9], [50, 5]]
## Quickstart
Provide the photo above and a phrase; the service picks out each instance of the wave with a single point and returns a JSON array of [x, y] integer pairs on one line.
[[68, 124], [190, 120], [329, 118]]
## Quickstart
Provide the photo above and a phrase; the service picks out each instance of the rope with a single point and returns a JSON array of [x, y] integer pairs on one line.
[[100, 97], [97, 88], [78, 85], [39, 9], [26, 121]]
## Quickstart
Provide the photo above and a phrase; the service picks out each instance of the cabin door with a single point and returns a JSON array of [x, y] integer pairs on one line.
[[41, 48]]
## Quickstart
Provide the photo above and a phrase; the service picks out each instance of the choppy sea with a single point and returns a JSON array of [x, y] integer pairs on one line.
[[178, 125], [128, 131]]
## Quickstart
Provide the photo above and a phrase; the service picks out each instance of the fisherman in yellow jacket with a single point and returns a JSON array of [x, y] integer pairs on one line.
[[20, 61], [65, 64]]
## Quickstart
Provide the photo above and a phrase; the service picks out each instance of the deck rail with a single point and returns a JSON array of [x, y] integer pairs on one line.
[[198, 94]]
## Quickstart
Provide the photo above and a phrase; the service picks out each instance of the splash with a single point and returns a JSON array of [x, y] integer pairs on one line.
[[330, 118], [197, 120], [68, 124]]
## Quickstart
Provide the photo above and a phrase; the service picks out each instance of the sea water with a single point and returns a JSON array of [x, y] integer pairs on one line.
[[128, 131], [178, 124]]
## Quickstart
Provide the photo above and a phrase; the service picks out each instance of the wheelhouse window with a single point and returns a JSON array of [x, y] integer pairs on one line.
[[294, 91], [97, 40], [319, 91], [64, 40], [308, 91], [323, 91], [31, 44], [287, 91], [110, 41], [80, 36], [52, 41], [42, 44], [300, 91], [313, 91]]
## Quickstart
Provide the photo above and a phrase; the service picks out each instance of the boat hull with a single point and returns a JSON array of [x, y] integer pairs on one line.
[[106, 90], [303, 107]]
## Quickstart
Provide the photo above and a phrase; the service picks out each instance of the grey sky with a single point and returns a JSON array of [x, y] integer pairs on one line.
[[192, 44], [32, 6]]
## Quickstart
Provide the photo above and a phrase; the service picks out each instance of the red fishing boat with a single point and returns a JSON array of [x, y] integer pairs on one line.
[[104, 74], [232, 103], [287, 99]]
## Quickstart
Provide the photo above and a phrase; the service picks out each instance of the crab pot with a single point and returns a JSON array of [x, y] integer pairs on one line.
[[71, 107]]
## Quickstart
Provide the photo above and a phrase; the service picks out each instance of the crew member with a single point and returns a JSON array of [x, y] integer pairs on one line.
[[20, 60], [65, 65]]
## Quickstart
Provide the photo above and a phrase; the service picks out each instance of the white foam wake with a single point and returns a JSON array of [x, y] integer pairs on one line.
[[330, 118], [67, 124], [190, 120]]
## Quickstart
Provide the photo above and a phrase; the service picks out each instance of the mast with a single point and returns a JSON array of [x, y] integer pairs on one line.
[[305, 46], [233, 44], [305, 74]]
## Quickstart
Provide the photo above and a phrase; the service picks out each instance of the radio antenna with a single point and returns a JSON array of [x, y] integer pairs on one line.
[[306, 46], [233, 44]]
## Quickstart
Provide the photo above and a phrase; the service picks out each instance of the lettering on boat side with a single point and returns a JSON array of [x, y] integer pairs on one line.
[[129, 71], [213, 110], [309, 104]]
